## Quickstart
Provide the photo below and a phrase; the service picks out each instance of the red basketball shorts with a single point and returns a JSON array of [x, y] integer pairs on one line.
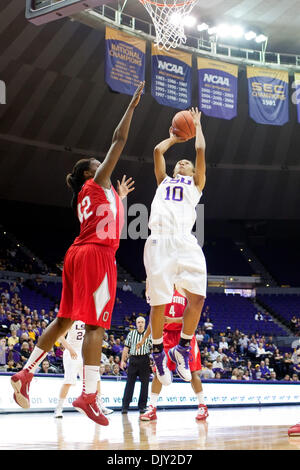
[[171, 338], [89, 284]]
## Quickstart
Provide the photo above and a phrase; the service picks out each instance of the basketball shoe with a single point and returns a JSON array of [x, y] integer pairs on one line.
[[202, 413], [21, 383], [150, 415], [100, 403], [180, 355], [58, 413], [87, 404], [294, 431], [164, 374]]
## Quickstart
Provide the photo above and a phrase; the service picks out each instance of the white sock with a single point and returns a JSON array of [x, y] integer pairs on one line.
[[90, 378], [157, 341], [35, 359], [184, 336], [200, 397], [60, 403], [153, 399]]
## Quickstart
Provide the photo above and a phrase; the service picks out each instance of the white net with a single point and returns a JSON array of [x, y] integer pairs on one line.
[[168, 18]]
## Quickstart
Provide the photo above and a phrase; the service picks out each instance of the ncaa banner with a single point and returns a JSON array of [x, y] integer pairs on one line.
[[218, 87], [125, 61], [171, 78], [297, 94], [268, 95]]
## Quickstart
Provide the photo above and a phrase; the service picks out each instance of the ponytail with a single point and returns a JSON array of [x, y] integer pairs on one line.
[[76, 179]]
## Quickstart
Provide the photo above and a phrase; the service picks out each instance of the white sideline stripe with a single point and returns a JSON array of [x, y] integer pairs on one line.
[[101, 296]]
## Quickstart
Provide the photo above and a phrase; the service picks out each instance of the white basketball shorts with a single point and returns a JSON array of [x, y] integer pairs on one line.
[[72, 368], [169, 261]]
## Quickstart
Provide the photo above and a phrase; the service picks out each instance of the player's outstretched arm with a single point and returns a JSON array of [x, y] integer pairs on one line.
[[103, 174], [200, 166], [158, 155], [67, 346]]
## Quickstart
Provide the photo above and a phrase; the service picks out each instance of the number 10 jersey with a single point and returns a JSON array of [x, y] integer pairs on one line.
[[173, 209]]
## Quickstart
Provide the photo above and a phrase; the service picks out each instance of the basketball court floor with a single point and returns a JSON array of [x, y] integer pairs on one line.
[[253, 428]]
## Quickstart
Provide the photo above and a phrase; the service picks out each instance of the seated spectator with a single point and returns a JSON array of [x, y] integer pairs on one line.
[[13, 338], [273, 376], [232, 355], [259, 317], [2, 353], [107, 369], [261, 352], [287, 363], [223, 344], [293, 323], [265, 371], [104, 359], [295, 378], [117, 348], [116, 370], [126, 287], [24, 352], [243, 343], [246, 375], [46, 368], [218, 365], [256, 372], [11, 366], [102, 369], [270, 346], [218, 376], [252, 348], [208, 327], [287, 378], [213, 354], [206, 372], [237, 374]]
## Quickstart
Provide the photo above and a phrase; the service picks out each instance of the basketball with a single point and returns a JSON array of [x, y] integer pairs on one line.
[[183, 125]]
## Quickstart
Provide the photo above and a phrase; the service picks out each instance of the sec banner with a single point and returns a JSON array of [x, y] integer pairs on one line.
[[218, 86], [125, 61], [268, 95], [171, 78]]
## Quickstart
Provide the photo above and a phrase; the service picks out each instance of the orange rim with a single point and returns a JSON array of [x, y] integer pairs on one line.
[[161, 5]]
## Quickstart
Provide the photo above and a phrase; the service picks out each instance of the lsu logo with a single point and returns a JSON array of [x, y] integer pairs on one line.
[[163, 65], [216, 80]]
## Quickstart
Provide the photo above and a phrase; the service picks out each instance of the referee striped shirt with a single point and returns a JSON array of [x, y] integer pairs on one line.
[[135, 337]]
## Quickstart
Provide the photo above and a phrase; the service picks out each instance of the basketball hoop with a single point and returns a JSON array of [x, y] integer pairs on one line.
[[168, 18]]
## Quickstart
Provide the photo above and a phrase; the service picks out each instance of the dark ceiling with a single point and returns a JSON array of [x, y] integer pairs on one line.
[[59, 108]]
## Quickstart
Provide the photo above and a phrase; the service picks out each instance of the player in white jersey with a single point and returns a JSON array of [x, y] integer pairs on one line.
[[73, 366], [172, 254]]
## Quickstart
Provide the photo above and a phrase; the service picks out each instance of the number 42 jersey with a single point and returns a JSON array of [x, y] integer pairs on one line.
[[173, 209], [101, 215]]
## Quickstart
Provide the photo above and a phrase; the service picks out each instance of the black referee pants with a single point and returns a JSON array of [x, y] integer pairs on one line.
[[139, 366]]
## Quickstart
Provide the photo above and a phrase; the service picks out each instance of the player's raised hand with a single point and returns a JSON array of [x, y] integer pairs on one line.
[[137, 95], [125, 187], [175, 138], [196, 115]]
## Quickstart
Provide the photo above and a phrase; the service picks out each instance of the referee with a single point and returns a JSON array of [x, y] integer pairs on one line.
[[139, 366]]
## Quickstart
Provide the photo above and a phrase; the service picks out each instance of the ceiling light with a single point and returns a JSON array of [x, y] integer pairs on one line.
[[212, 30], [175, 19], [189, 21], [250, 35], [202, 27], [261, 38], [237, 31], [223, 30]]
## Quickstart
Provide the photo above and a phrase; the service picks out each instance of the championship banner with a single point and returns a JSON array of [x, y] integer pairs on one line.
[[218, 87], [297, 94], [171, 78], [125, 61], [268, 95]]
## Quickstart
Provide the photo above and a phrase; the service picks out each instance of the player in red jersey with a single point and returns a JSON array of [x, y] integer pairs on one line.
[[171, 335], [89, 273]]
